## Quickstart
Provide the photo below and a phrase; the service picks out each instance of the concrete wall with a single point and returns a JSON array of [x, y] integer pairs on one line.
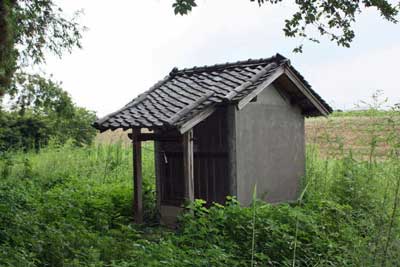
[[169, 214], [270, 148]]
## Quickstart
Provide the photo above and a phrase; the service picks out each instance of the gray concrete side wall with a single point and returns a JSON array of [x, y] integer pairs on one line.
[[270, 149]]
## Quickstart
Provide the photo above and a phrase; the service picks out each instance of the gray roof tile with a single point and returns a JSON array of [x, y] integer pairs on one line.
[[184, 93]]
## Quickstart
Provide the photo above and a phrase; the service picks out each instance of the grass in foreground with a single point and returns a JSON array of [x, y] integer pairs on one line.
[[71, 206]]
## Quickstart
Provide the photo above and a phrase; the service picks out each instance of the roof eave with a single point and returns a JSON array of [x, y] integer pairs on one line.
[[320, 107]]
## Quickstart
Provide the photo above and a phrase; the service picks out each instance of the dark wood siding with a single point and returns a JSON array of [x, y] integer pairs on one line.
[[210, 163], [211, 158], [171, 171]]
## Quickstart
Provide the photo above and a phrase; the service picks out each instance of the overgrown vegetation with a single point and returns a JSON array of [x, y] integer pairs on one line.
[[68, 206]]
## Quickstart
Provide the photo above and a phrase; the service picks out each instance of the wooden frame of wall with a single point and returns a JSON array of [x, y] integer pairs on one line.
[[188, 167], [137, 176], [188, 160]]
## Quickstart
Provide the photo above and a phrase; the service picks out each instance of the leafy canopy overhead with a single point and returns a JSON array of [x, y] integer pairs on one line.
[[29, 29], [332, 18]]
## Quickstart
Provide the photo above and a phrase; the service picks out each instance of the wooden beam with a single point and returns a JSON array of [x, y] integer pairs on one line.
[[188, 167], [157, 163], [232, 154], [278, 72], [156, 137], [310, 112], [300, 101], [196, 119], [137, 178]]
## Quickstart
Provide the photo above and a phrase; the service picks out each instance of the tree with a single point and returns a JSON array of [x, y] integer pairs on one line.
[[42, 111], [44, 96], [29, 29], [332, 18]]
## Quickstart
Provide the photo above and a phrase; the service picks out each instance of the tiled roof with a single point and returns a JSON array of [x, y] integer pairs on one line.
[[184, 93]]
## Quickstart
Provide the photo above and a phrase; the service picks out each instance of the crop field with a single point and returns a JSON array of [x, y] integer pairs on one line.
[[359, 134], [72, 206]]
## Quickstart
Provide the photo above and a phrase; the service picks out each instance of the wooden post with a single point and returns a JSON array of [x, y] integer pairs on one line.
[[157, 161], [137, 177], [188, 167]]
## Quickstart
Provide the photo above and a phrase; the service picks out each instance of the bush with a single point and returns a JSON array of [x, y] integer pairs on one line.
[[320, 231], [33, 131]]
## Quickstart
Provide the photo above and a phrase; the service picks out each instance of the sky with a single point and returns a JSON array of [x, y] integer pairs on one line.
[[130, 45]]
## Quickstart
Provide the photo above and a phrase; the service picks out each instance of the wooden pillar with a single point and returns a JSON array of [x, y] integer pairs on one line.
[[137, 177], [188, 167], [158, 157], [231, 113]]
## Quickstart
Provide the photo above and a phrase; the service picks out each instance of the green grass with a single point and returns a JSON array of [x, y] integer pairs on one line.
[[68, 206]]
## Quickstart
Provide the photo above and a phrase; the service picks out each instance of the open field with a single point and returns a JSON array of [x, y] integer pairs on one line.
[[359, 134]]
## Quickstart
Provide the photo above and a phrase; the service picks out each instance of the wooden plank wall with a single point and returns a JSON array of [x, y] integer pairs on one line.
[[211, 158], [210, 163]]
